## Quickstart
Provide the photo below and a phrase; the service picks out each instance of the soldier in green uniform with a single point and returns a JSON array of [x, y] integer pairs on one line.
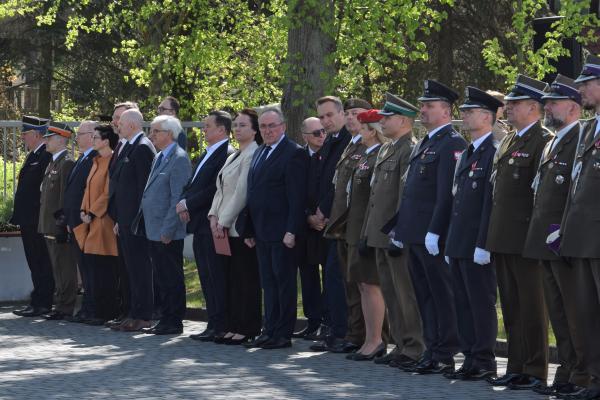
[[519, 279], [52, 222], [581, 224]]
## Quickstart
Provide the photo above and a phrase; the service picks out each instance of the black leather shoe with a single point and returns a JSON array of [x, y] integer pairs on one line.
[[54, 316], [279, 343], [585, 394], [207, 336], [503, 380], [319, 346], [308, 330], [337, 345], [321, 333], [114, 322], [235, 342], [78, 318], [94, 321], [222, 339], [403, 362], [434, 367], [163, 330], [388, 358], [569, 390], [524, 382], [378, 352], [548, 390], [458, 374], [30, 311], [478, 374], [257, 342]]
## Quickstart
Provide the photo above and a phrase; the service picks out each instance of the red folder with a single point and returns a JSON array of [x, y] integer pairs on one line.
[[222, 244]]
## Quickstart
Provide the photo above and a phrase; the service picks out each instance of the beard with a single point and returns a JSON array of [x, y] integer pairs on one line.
[[551, 121]]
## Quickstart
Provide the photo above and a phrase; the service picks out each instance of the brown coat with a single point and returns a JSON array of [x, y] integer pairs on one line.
[[97, 237], [515, 166]]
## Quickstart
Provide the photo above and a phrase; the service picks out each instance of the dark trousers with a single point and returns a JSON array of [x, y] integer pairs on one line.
[[560, 293], [212, 281], [355, 319], [312, 297], [85, 270], [277, 267], [64, 268], [167, 261], [139, 272], [432, 281], [587, 276], [124, 294], [38, 260], [521, 287], [334, 290], [104, 288], [475, 299], [243, 303]]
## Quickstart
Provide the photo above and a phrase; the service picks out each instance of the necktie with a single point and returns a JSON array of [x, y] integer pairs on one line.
[[470, 150], [75, 166], [115, 154], [262, 159], [425, 140], [158, 161]]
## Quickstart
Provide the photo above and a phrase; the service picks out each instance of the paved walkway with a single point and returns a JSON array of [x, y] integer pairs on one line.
[[59, 360]]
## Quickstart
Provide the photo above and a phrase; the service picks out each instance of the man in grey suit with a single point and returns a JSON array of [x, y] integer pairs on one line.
[[170, 171]]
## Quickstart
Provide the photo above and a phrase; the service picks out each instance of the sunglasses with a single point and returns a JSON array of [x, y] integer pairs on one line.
[[316, 133]]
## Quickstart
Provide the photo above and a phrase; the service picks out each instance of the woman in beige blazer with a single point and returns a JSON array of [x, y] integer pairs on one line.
[[243, 296]]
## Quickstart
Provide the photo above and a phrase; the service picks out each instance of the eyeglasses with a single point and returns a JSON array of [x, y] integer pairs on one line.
[[264, 127], [163, 109], [80, 133], [96, 137], [316, 132], [155, 131]]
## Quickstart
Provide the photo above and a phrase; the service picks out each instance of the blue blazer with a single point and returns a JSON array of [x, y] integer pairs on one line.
[[427, 196], [277, 193], [162, 193], [75, 188], [472, 202]]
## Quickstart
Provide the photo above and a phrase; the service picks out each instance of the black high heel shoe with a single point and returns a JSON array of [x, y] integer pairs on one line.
[[378, 352]]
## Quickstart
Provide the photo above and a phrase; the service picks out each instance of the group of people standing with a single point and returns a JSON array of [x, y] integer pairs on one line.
[[395, 240]]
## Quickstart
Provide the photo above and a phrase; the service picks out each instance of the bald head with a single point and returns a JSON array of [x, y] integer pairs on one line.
[[84, 135], [130, 123], [313, 133]]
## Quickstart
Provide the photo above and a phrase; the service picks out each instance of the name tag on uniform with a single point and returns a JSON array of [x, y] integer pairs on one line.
[[518, 154]]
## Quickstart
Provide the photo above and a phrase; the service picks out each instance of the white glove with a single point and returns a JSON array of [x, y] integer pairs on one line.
[[481, 256], [447, 259], [397, 243], [431, 243]]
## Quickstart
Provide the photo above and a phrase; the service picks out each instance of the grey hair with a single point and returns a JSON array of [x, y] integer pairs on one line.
[[169, 123], [275, 110]]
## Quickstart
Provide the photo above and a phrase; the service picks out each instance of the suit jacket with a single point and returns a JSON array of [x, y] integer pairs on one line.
[[75, 188], [552, 180], [581, 221], [232, 188], [426, 201], [331, 152], [472, 201], [128, 179], [360, 189], [515, 166], [200, 191], [26, 211], [343, 172], [386, 189], [277, 192], [315, 249], [162, 193], [52, 219], [97, 237]]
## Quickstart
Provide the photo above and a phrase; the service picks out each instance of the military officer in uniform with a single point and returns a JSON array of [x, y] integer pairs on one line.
[[519, 279], [473, 272], [422, 225], [580, 242], [343, 172], [392, 268], [53, 221], [551, 188], [26, 215]]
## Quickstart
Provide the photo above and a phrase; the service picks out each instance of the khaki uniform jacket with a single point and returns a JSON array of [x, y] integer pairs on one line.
[[581, 222], [52, 192], [551, 190], [360, 190], [343, 172], [386, 189], [515, 166]]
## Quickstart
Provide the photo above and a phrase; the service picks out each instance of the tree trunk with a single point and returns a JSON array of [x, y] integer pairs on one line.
[[445, 72], [309, 69], [45, 77]]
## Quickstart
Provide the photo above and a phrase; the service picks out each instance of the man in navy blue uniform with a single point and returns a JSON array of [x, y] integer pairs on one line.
[[473, 273], [276, 200], [422, 224]]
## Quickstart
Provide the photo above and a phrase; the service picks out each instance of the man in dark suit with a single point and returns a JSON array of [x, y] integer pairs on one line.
[[76, 183], [312, 248], [520, 279], [551, 188], [193, 208], [276, 200], [422, 224], [127, 183], [26, 215], [580, 242], [472, 269]]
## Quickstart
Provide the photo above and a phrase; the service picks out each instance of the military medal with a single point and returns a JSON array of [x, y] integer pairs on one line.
[[559, 179], [516, 175], [511, 161], [474, 185], [470, 174], [594, 152], [551, 165]]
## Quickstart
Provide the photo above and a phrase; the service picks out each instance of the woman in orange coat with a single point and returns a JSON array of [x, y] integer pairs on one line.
[[95, 236]]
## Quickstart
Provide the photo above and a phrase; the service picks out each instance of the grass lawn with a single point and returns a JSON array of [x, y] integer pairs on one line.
[[196, 300]]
